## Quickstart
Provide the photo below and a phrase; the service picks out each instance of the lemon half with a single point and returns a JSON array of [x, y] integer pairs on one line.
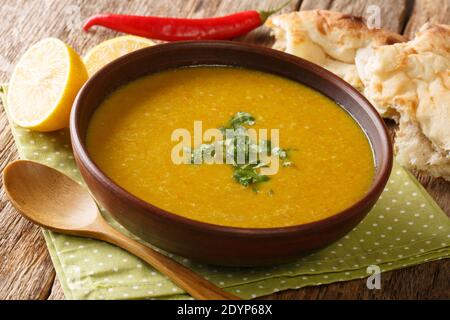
[[44, 85], [112, 49]]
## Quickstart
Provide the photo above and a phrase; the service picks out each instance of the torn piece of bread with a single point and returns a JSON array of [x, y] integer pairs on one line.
[[329, 39], [415, 151], [406, 81], [412, 79]]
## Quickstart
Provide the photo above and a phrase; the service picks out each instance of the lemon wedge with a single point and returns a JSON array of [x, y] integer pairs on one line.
[[112, 49], [44, 85]]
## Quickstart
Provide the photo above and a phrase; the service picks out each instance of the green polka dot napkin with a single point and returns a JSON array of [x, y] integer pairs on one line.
[[405, 228]]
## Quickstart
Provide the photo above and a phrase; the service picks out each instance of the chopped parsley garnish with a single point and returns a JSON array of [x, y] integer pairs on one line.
[[248, 176], [241, 152], [241, 118]]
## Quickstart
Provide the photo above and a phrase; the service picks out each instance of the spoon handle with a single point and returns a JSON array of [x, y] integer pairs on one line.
[[194, 284]]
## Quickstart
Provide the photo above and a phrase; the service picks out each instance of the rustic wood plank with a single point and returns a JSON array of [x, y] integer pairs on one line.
[[438, 188], [56, 291], [417, 282], [26, 271], [407, 283], [392, 13], [436, 11]]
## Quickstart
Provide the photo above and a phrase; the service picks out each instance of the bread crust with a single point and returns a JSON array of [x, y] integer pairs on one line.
[[408, 81], [329, 39], [413, 80]]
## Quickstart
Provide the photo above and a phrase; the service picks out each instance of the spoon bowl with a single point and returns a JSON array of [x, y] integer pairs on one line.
[[52, 200], [32, 188]]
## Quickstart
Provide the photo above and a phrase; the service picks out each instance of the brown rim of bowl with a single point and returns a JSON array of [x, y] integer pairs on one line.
[[380, 179]]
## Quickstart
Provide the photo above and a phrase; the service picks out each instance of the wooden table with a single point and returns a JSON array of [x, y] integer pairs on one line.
[[26, 271]]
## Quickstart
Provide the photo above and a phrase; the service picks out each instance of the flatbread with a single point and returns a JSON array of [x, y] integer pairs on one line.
[[408, 81], [412, 79], [329, 39]]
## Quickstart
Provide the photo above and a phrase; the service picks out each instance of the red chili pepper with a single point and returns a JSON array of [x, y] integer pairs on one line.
[[176, 29]]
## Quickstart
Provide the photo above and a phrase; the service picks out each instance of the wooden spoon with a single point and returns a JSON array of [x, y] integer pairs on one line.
[[52, 200]]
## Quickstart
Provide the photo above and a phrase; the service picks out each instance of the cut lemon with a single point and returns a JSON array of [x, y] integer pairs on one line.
[[112, 49], [44, 85]]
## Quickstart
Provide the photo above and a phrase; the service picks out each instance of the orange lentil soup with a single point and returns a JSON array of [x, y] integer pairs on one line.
[[129, 138]]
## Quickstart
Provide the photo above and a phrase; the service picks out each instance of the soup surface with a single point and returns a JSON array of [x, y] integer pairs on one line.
[[129, 138]]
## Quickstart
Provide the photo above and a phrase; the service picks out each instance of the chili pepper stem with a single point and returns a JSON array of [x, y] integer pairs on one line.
[[265, 14]]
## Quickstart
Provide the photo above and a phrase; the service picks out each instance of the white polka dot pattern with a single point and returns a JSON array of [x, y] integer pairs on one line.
[[405, 228]]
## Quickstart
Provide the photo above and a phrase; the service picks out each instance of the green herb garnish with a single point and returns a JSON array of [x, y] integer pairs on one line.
[[241, 118], [248, 176], [239, 151]]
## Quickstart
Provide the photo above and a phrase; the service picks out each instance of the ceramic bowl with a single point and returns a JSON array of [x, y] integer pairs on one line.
[[208, 242]]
